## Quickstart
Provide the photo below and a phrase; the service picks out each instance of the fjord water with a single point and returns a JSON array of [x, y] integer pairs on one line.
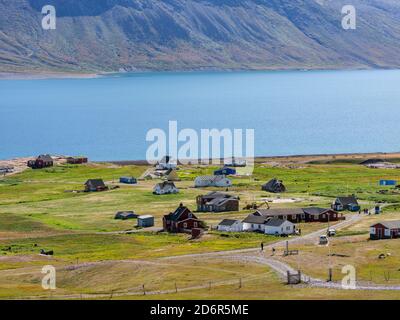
[[292, 112]]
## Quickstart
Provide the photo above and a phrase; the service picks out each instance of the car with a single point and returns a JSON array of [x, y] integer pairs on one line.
[[331, 232], [323, 240]]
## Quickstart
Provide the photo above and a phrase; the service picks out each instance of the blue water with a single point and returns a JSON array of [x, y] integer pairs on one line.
[[292, 112]]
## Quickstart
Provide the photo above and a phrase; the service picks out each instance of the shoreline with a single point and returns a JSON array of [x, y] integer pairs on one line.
[[258, 159], [301, 158], [93, 75]]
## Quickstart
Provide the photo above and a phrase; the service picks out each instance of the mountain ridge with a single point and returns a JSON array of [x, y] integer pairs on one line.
[[133, 35]]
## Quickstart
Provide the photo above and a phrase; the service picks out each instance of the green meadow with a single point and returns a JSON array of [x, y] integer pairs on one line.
[[38, 210]]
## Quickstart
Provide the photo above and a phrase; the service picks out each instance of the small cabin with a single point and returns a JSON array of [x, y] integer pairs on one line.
[[145, 221], [95, 185], [128, 180], [43, 161], [274, 186]]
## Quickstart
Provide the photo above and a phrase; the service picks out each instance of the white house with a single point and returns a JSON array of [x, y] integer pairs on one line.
[[166, 163], [166, 187], [212, 181], [254, 223], [230, 225], [279, 227]]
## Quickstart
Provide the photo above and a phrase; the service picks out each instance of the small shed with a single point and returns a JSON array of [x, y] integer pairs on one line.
[[145, 221], [125, 215], [387, 182], [225, 171], [128, 180]]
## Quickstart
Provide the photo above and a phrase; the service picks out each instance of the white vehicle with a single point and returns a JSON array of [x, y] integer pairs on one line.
[[323, 240], [331, 232]]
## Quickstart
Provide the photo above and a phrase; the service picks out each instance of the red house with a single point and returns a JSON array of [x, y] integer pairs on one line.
[[181, 220], [43, 161], [385, 230]]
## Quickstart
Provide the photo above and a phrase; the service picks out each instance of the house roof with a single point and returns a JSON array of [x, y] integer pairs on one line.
[[347, 200], [228, 222], [315, 210], [166, 184], [275, 222], [279, 212], [45, 157], [95, 183], [175, 216], [389, 224], [251, 218], [146, 216], [216, 194]]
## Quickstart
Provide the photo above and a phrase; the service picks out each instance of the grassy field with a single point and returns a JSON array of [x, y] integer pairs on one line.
[[38, 211]]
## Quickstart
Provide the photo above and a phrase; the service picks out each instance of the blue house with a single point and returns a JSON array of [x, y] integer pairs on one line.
[[225, 171], [387, 182], [128, 180]]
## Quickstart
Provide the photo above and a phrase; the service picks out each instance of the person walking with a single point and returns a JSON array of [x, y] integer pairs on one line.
[[262, 246]]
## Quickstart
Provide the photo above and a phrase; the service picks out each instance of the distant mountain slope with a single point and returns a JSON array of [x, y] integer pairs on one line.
[[113, 35]]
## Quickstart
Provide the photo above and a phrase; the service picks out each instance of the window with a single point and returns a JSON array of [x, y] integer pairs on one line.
[[185, 225], [195, 224]]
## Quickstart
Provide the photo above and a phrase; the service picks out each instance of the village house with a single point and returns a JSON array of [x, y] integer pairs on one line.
[[225, 171], [77, 160], [346, 203], [166, 163], [315, 214], [217, 202], [230, 225], [291, 214], [181, 220], [296, 215], [254, 223], [385, 230], [274, 186], [166, 187], [279, 227], [212, 181], [94, 185], [43, 161]]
